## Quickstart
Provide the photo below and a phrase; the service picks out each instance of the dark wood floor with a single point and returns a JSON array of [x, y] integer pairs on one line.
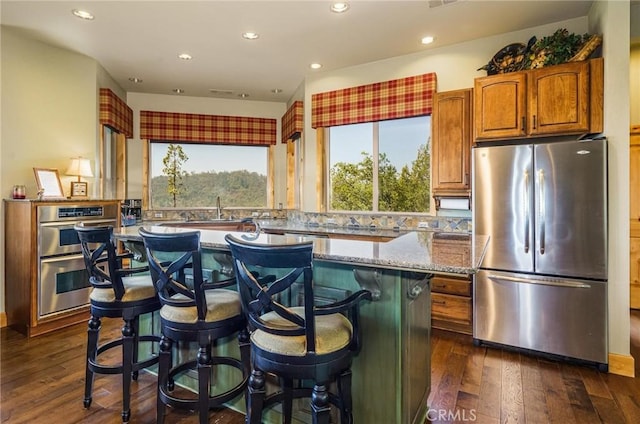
[[42, 380]]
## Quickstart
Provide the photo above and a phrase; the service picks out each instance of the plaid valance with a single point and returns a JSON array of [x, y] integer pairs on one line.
[[293, 122], [115, 113], [207, 128], [401, 98]]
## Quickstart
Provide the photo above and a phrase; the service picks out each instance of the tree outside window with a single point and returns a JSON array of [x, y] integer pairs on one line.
[[391, 171]]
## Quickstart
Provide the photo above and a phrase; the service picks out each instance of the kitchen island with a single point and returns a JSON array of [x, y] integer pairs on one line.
[[391, 375]]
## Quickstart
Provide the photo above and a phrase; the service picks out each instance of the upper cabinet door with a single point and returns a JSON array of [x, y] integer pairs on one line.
[[559, 99], [500, 106], [451, 147]]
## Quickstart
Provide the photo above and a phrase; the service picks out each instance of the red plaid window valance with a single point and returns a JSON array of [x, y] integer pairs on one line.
[[115, 113], [207, 128], [293, 122], [401, 98]]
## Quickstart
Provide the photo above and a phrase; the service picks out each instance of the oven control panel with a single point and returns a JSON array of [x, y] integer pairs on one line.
[[80, 212]]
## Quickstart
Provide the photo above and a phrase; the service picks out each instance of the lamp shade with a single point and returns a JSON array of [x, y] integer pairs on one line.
[[80, 167]]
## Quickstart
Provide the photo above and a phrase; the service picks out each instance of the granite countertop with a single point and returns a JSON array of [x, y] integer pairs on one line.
[[292, 227], [455, 253]]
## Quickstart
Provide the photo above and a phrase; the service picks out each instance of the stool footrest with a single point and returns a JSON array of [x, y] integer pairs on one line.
[[215, 400]]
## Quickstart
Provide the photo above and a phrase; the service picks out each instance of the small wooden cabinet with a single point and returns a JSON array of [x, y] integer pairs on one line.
[[451, 144], [451, 303], [556, 100]]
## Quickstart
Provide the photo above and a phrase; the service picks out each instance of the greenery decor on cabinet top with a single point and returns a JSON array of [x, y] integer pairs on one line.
[[560, 47]]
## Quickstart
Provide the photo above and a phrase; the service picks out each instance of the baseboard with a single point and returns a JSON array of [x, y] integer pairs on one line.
[[3, 319], [622, 365]]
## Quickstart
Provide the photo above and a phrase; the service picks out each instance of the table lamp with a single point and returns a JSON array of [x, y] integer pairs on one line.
[[79, 167]]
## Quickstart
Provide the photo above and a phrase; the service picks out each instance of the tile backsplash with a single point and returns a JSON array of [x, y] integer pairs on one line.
[[346, 219]]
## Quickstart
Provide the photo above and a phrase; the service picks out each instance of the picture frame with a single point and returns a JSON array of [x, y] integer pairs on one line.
[[79, 189], [48, 181]]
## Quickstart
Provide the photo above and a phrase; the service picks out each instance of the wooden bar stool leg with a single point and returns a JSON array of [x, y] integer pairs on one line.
[[204, 378], [320, 404], [135, 324], [92, 348], [344, 391], [164, 383], [127, 362], [256, 389], [286, 385]]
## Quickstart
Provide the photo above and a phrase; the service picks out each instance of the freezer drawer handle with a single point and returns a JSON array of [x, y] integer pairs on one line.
[[571, 284], [526, 211]]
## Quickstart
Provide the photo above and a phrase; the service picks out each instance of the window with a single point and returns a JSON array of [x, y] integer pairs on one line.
[[380, 166], [236, 174]]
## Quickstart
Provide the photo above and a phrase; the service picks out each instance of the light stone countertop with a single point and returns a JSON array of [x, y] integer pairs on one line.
[[422, 251]]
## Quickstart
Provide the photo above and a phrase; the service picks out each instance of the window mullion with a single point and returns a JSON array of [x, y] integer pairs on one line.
[[375, 158]]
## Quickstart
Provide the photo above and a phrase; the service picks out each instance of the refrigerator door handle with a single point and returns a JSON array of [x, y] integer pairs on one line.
[[542, 209], [527, 217], [556, 283]]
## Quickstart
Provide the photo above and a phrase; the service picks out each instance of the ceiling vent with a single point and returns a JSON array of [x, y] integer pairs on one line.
[[220, 92], [438, 3]]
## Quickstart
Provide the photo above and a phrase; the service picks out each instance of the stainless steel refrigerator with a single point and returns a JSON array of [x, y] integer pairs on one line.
[[542, 285]]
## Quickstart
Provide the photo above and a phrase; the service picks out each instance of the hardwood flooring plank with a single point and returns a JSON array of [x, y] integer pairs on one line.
[[594, 383], [491, 385], [511, 402], [578, 396], [535, 402], [472, 376], [449, 384], [558, 405], [608, 410]]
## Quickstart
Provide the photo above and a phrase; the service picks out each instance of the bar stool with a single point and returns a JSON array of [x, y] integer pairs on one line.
[[193, 310], [307, 343], [116, 293]]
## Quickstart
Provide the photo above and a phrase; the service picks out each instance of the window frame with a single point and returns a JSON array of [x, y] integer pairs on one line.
[[146, 175], [324, 189]]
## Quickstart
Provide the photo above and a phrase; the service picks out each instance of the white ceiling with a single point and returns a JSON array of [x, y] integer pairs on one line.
[[143, 38]]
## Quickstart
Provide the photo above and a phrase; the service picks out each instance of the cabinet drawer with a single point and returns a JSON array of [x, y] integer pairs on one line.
[[451, 308], [451, 285]]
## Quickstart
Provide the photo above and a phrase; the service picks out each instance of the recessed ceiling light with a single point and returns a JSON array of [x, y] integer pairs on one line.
[[178, 90], [82, 14], [250, 35], [135, 80], [427, 40], [185, 56], [243, 95], [276, 90], [339, 6], [315, 66]]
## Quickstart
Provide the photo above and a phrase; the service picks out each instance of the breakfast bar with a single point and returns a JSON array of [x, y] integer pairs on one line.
[[394, 363]]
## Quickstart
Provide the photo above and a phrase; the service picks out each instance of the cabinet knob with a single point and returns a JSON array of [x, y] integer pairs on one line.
[[535, 123], [524, 123]]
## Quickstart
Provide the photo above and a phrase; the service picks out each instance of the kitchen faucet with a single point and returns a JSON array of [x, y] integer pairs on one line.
[[218, 208]]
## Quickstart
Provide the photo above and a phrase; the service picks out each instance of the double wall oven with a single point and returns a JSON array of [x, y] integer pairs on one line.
[[62, 277]]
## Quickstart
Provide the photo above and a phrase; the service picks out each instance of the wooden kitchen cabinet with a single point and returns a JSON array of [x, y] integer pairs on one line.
[[557, 100], [452, 303], [46, 283], [451, 144]]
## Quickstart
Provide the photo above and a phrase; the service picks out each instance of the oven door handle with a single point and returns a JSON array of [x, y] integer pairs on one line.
[[71, 224], [62, 258]]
